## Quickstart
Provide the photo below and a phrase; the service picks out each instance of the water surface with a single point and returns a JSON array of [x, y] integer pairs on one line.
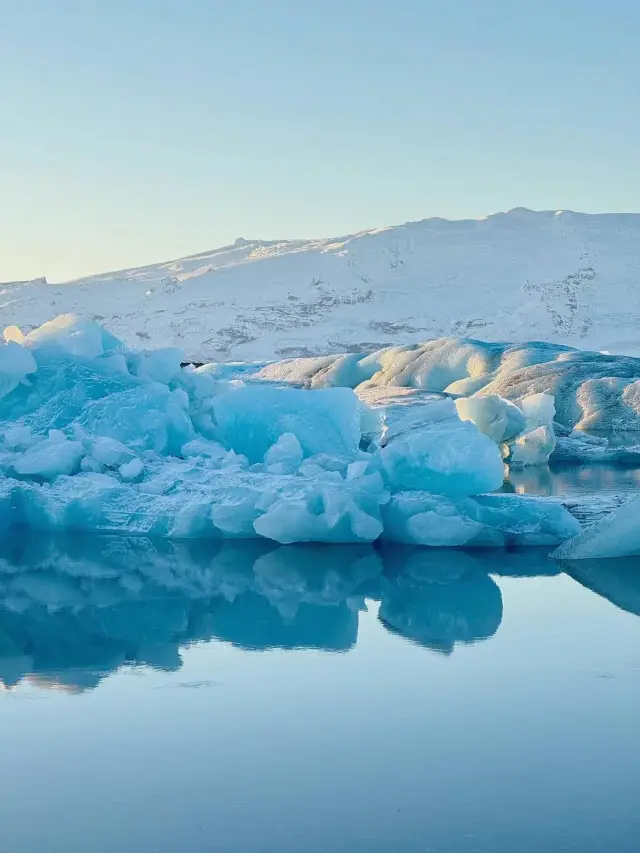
[[249, 698]]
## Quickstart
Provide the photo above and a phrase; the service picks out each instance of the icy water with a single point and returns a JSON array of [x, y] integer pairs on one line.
[[574, 480], [185, 699]]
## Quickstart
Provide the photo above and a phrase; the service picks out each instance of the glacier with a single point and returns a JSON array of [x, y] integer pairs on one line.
[[97, 437]]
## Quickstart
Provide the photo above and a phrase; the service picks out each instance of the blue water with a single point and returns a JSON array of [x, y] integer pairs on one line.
[[249, 699]]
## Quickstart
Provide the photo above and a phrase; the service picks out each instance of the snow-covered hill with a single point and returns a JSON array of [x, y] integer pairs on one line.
[[523, 275]]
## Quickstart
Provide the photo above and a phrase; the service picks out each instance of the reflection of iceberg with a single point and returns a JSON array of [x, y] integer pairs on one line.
[[532, 562], [73, 610], [617, 580], [439, 599], [300, 596]]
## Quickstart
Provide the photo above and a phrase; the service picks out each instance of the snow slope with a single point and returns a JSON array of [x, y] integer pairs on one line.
[[523, 275]]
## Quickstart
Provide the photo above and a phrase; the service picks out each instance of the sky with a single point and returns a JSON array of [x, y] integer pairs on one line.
[[135, 131]]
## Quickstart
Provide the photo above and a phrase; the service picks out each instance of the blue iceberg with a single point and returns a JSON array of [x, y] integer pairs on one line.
[[98, 437]]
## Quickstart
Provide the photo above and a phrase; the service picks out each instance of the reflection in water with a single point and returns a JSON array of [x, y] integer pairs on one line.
[[573, 479], [74, 609], [617, 580], [440, 598]]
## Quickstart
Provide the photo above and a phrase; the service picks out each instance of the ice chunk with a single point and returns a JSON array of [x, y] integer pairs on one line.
[[493, 415], [50, 458], [424, 519], [204, 448], [486, 521], [14, 334], [16, 363], [518, 520], [16, 360], [533, 447], [147, 417], [433, 410], [536, 444], [591, 390], [286, 452], [578, 448], [91, 466], [320, 514], [252, 418], [110, 452], [161, 365], [20, 438], [615, 535], [136, 444], [443, 455], [131, 470], [539, 410], [75, 335]]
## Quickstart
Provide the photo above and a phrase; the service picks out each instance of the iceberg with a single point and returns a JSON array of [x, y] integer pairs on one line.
[[592, 390], [617, 534], [96, 437], [485, 521], [434, 451], [250, 419], [493, 415]]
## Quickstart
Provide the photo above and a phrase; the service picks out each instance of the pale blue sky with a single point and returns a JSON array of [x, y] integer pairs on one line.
[[133, 131]]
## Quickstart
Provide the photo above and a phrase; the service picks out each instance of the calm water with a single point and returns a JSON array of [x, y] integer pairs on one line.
[[574, 480], [183, 699]]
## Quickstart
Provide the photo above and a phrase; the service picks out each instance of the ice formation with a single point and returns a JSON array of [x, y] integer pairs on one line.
[[615, 535], [432, 450], [96, 437], [591, 390], [493, 415]]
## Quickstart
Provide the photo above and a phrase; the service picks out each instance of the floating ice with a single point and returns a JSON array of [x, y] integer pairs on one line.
[[440, 453], [110, 452], [615, 535], [533, 447], [537, 442], [16, 363], [494, 416], [539, 410], [492, 520], [592, 390], [250, 419], [50, 458], [95, 437], [70, 333], [286, 453]]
